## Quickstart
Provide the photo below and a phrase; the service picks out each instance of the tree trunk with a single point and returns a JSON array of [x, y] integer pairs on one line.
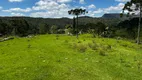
[[139, 27], [74, 24], [77, 28]]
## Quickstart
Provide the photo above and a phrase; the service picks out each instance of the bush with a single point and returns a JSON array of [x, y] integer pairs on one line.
[[90, 45], [57, 37], [93, 41], [109, 47], [6, 39], [124, 45], [60, 31], [92, 31], [102, 53], [66, 41], [79, 41], [74, 46], [29, 46], [81, 48], [93, 45]]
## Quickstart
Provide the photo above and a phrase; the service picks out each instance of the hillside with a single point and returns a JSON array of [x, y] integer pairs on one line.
[[61, 22], [62, 57], [111, 15]]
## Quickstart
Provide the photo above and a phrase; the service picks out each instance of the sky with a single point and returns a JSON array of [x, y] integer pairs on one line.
[[59, 8]]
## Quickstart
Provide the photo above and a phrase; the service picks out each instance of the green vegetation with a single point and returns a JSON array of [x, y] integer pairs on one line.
[[105, 50], [131, 11], [23, 26], [77, 12], [46, 49], [105, 27], [61, 57]]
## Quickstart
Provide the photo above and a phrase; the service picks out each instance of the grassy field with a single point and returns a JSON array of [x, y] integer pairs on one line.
[[61, 57]]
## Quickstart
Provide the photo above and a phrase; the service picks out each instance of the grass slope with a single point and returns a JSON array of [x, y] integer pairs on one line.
[[60, 57]]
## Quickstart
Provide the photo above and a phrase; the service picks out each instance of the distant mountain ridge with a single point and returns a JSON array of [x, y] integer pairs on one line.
[[60, 22], [117, 15], [111, 15]]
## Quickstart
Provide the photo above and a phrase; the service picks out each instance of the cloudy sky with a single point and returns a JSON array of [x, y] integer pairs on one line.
[[58, 8]]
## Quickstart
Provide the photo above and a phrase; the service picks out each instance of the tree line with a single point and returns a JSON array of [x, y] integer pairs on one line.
[[27, 26]]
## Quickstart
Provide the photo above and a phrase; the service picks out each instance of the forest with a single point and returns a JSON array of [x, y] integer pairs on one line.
[[113, 27]]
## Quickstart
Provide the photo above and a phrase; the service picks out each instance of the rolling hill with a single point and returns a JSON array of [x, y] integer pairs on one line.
[[62, 57]]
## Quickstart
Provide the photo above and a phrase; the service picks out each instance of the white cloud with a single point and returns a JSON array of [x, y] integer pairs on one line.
[[94, 13], [81, 1], [60, 8], [54, 9], [50, 8], [92, 6], [119, 7], [15, 0], [133, 7], [51, 14], [1, 7], [17, 14], [17, 10], [82, 7], [122, 0], [111, 9], [98, 11], [46, 5], [64, 1]]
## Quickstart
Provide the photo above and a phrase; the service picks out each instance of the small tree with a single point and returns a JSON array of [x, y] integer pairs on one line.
[[68, 29], [100, 28], [21, 27], [53, 29], [132, 6], [44, 28], [77, 12]]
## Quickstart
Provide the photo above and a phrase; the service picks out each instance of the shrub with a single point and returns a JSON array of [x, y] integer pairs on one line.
[[6, 39], [93, 46], [81, 48], [139, 65], [92, 31], [29, 46], [127, 64], [118, 41], [122, 60], [60, 31], [140, 47], [57, 37], [74, 46], [28, 40], [79, 41], [102, 53], [109, 47], [124, 45], [93, 41], [90, 45], [66, 41]]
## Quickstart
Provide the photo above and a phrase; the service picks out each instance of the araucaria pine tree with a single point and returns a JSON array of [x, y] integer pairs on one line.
[[134, 6], [77, 12]]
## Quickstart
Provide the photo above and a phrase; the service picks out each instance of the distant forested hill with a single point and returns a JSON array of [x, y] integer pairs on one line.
[[112, 15], [61, 22], [24, 26]]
